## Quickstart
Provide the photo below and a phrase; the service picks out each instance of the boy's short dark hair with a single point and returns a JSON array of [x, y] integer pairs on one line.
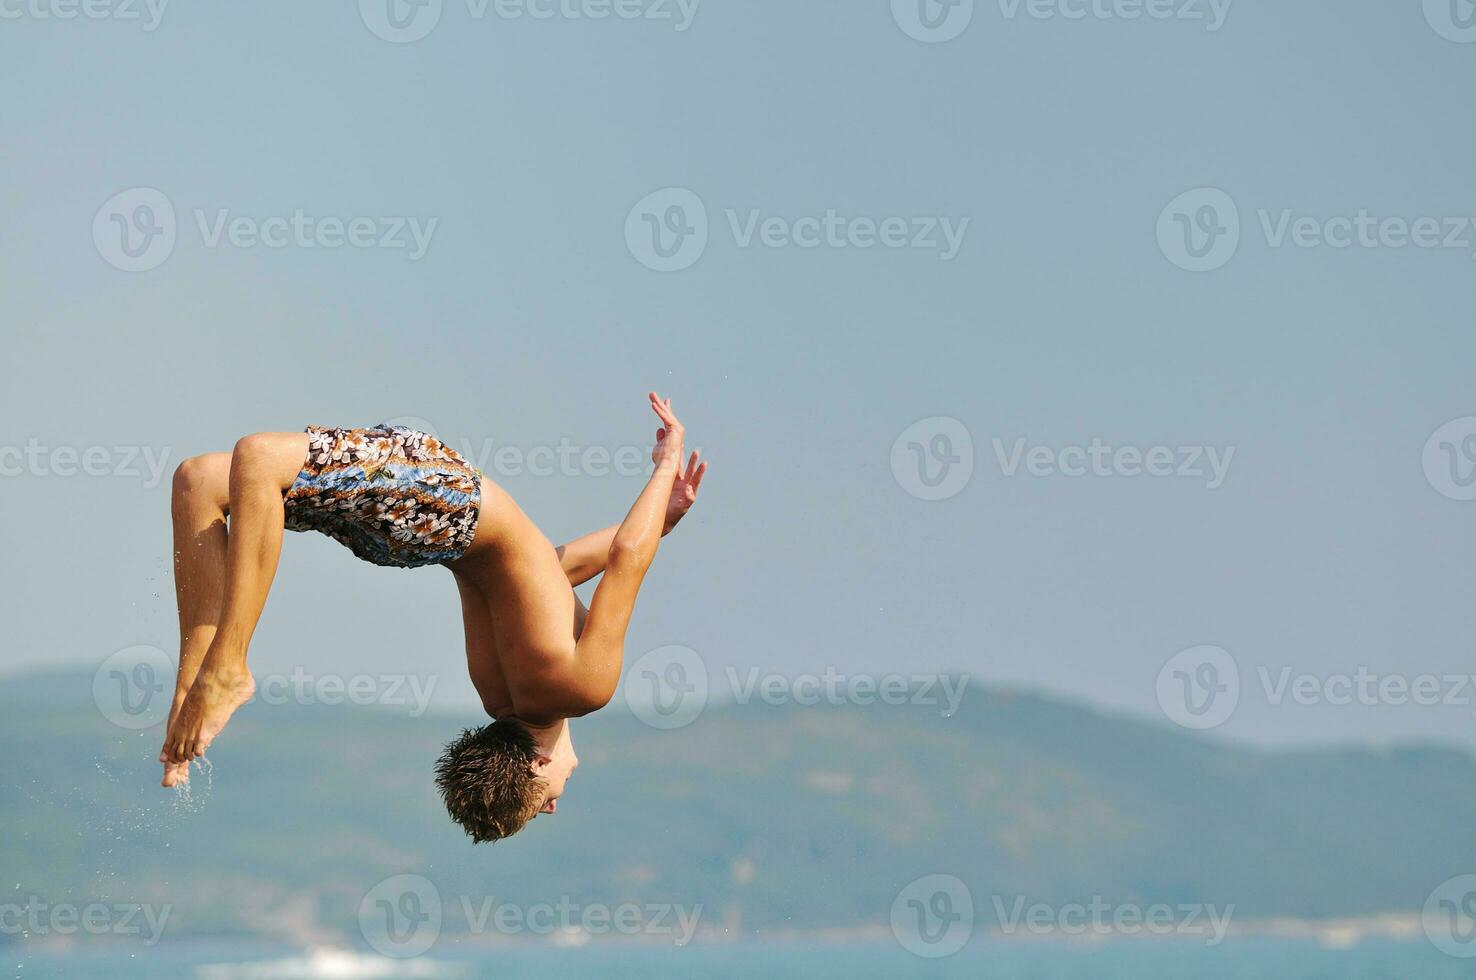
[[487, 780]]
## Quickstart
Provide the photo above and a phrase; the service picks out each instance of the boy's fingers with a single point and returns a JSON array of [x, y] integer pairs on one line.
[[663, 409]]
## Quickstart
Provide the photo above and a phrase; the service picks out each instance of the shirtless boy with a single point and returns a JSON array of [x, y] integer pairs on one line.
[[400, 498]]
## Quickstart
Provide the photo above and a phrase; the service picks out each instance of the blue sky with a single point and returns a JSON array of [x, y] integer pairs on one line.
[[1051, 147]]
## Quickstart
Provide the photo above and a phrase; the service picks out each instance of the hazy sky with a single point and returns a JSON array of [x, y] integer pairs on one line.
[[1058, 313]]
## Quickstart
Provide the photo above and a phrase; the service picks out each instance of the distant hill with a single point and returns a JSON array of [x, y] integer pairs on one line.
[[773, 818]]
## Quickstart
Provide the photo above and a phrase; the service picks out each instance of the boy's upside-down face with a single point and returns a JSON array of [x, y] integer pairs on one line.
[[497, 778]]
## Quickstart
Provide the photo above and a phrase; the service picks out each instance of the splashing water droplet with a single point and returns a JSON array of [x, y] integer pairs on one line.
[[184, 792]]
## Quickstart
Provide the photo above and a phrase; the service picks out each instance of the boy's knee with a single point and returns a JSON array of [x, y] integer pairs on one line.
[[267, 460], [252, 449], [256, 457], [191, 475], [200, 481]]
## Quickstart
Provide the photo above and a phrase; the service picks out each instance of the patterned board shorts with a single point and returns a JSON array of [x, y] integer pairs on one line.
[[392, 495]]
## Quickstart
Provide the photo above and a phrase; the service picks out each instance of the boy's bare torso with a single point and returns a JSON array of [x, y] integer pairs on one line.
[[518, 609]]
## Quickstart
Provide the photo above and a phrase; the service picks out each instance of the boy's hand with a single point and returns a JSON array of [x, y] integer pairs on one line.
[[669, 437], [683, 492]]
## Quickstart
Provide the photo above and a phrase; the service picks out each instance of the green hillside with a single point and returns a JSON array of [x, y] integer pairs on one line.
[[771, 818]]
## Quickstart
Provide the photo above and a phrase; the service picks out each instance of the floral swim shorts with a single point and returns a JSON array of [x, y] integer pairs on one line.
[[394, 496]]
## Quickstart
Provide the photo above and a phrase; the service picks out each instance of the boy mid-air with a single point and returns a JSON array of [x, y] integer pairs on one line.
[[398, 497]]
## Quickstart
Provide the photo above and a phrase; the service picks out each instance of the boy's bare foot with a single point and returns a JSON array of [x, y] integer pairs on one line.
[[174, 773], [213, 698]]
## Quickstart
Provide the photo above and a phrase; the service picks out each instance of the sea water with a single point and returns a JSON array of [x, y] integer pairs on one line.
[[1243, 959]]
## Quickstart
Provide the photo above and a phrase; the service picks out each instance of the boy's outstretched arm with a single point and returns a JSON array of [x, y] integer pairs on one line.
[[586, 556], [593, 673]]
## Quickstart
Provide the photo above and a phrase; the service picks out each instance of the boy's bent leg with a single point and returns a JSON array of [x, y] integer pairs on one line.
[[198, 505], [262, 467]]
